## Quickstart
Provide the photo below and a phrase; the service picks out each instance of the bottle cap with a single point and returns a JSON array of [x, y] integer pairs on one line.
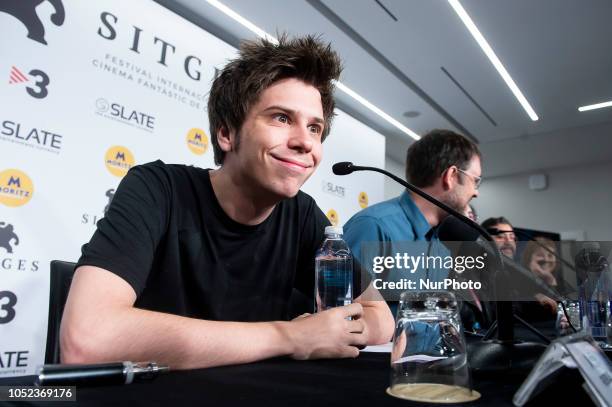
[[333, 230]]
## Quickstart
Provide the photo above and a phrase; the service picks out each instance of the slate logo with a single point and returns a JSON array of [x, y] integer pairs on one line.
[[118, 160], [16, 188], [30, 136], [197, 141], [102, 105], [362, 199], [39, 90], [123, 114], [333, 217], [333, 189], [8, 240], [25, 12], [13, 362]]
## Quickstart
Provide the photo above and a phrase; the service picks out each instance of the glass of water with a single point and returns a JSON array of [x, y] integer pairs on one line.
[[429, 356]]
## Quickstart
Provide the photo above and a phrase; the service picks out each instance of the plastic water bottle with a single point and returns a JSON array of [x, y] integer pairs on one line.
[[334, 271]]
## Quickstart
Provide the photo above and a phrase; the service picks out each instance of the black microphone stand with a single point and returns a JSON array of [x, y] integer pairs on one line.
[[503, 355]]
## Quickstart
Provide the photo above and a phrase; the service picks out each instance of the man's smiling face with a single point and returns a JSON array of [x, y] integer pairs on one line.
[[280, 140]]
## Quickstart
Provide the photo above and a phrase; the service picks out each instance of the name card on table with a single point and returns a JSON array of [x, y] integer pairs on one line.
[[577, 351]]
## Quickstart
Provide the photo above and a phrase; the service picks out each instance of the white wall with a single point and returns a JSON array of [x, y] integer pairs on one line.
[[392, 188], [577, 199]]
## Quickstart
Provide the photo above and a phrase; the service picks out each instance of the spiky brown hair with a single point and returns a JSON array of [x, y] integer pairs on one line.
[[259, 65]]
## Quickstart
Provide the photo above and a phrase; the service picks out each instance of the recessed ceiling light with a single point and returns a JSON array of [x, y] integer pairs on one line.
[[262, 34], [411, 114], [486, 48], [595, 106]]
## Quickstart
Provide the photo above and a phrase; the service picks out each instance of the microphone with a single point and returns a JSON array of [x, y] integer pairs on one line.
[[589, 262], [347, 167], [452, 229], [343, 168], [589, 258]]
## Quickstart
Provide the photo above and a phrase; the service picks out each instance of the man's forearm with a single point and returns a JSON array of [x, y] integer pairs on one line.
[[182, 343], [100, 324]]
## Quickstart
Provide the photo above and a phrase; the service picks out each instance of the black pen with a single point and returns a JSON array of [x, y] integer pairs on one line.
[[100, 374]]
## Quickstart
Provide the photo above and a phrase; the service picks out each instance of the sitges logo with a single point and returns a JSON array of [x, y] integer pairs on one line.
[[110, 194], [16, 188], [9, 240], [118, 160], [121, 113], [8, 237], [25, 12], [110, 27], [93, 217]]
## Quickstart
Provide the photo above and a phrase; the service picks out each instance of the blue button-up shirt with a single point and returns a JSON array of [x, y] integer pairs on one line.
[[392, 227]]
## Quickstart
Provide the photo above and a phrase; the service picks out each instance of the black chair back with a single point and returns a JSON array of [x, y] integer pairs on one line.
[[61, 277]]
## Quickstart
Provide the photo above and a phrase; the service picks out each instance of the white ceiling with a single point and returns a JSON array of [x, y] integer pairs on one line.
[[557, 51]]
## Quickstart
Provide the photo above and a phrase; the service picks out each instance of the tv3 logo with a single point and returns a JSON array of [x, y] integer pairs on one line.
[[39, 89], [7, 309]]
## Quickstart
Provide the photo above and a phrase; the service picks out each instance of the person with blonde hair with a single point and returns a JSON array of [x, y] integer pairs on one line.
[[540, 256]]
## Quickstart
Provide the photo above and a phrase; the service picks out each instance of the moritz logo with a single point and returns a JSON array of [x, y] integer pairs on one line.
[[16, 188], [118, 160]]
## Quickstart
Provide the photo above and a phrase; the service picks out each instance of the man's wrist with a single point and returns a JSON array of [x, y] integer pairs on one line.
[[285, 332]]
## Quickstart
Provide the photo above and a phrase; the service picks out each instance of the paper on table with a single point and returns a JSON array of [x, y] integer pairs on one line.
[[384, 348], [419, 358]]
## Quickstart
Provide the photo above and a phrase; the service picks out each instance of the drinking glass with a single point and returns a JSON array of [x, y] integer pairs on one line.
[[429, 357]]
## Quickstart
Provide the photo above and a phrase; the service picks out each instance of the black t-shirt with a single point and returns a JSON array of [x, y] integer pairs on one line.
[[167, 236]]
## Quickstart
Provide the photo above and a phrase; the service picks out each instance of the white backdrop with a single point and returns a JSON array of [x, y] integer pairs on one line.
[[114, 84]]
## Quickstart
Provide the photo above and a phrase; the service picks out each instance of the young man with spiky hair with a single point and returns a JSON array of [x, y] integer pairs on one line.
[[197, 268]]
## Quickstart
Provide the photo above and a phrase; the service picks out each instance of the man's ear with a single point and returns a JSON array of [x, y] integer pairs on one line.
[[449, 178], [226, 139]]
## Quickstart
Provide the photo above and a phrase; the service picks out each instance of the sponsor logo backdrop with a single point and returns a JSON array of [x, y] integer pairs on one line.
[[88, 90]]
